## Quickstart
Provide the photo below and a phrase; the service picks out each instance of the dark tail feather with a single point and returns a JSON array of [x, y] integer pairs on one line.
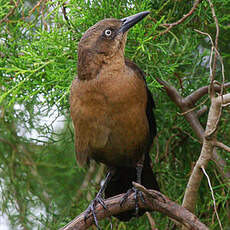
[[122, 181]]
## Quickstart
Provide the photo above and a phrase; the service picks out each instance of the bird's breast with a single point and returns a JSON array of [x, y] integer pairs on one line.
[[109, 117]]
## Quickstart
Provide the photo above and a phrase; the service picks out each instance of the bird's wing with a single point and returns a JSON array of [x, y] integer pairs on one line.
[[150, 102]]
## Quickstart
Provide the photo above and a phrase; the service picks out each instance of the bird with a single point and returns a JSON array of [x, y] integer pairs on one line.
[[112, 112]]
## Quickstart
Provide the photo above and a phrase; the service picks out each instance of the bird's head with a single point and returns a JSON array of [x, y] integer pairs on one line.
[[103, 41]]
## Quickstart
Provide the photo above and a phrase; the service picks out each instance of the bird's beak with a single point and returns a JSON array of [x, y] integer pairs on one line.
[[130, 21]]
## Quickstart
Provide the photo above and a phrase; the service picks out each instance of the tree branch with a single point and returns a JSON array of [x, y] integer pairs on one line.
[[197, 94], [222, 146], [213, 197], [170, 25], [193, 185], [154, 201], [185, 104], [10, 12], [217, 37]]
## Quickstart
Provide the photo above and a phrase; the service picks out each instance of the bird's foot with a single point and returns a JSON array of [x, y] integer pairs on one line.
[[98, 200], [137, 194]]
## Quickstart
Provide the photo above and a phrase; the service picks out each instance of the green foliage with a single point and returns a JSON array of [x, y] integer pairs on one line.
[[38, 50]]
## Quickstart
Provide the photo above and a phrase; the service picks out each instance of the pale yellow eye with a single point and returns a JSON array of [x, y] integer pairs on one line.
[[108, 33]]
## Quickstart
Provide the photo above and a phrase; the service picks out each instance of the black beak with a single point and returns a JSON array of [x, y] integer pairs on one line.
[[130, 21]]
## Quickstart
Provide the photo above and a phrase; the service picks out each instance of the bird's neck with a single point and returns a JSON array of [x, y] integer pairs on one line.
[[90, 66]]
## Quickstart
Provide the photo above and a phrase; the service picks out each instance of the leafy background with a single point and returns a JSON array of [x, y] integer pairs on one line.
[[40, 180]]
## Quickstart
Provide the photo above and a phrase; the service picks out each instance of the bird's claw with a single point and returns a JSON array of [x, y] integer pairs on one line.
[[91, 208], [137, 194]]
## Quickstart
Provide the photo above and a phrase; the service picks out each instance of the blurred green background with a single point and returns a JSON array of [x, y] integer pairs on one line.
[[41, 186]]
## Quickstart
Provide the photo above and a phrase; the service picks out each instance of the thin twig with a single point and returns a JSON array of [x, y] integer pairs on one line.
[[10, 12], [194, 108], [35, 7], [170, 25], [222, 146], [189, 135], [151, 221], [43, 14], [217, 37], [225, 105], [65, 14], [213, 197], [212, 92]]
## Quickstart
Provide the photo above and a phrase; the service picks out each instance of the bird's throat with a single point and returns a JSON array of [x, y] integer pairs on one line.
[[92, 66]]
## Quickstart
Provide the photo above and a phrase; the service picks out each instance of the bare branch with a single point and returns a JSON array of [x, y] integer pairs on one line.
[[196, 3], [151, 221], [221, 165], [206, 155], [222, 146], [218, 103], [212, 72], [225, 99], [187, 103], [195, 107], [35, 7], [201, 111], [154, 201], [196, 95]]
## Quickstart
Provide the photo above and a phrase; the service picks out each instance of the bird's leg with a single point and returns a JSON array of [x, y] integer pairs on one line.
[[137, 193], [98, 199], [139, 168]]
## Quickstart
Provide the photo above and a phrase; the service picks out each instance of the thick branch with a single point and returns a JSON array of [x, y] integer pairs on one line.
[[191, 192], [225, 99], [154, 201], [208, 151], [196, 95], [185, 105]]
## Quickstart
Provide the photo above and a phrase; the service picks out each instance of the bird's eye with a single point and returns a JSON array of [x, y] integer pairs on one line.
[[108, 32]]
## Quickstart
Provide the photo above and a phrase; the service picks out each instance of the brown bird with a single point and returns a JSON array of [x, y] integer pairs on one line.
[[112, 112]]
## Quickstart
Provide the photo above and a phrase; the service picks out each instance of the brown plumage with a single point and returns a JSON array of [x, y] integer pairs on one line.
[[111, 108]]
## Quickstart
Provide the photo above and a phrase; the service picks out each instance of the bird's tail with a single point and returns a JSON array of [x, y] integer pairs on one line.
[[122, 180]]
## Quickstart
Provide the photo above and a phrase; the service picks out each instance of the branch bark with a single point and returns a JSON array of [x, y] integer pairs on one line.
[[154, 201], [208, 151], [193, 185], [186, 104]]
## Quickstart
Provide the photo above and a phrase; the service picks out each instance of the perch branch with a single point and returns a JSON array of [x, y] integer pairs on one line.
[[154, 201]]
